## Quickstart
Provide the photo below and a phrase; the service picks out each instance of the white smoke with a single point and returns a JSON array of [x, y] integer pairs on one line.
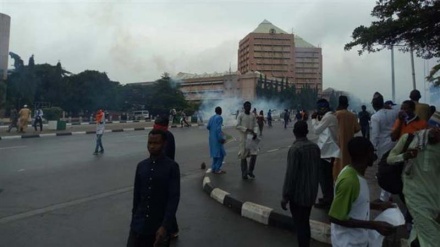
[[231, 105]]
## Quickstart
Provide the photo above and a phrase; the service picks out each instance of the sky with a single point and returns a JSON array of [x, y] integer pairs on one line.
[[139, 40]]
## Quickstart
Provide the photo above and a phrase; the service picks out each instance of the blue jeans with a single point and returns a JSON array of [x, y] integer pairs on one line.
[[217, 163], [99, 143]]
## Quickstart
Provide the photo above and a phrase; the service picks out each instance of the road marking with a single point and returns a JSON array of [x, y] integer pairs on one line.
[[62, 205], [13, 147], [183, 178], [21, 170], [272, 150]]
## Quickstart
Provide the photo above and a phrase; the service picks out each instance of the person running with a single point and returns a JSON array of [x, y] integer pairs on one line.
[[286, 118]]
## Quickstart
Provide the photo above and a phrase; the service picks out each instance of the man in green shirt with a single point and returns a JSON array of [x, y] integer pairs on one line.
[[350, 209]]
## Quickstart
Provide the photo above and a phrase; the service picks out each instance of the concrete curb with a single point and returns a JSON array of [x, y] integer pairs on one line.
[[265, 215], [76, 133]]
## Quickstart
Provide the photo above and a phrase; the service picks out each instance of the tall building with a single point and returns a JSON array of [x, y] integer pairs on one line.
[[269, 50], [276, 53], [5, 24]]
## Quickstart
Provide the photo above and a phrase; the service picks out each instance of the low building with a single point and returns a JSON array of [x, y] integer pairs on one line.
[[218, 86]]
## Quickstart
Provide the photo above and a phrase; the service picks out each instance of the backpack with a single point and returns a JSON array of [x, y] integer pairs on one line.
[[389, 176]]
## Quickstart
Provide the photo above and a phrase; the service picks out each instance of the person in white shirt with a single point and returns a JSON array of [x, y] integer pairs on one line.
[[327, 131], [100, 127], [381, 126], [38, 119]]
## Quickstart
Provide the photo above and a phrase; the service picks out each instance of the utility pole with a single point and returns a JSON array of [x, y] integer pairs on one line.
[[412, 67], [393, 82]]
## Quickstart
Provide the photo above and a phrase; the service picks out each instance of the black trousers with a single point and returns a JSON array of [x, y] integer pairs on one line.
[[301, 216], [365, 130], [39, 122], [139, 240], [326, 180]]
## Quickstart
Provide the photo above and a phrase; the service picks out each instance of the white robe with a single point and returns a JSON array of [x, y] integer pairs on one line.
[[245, 122]]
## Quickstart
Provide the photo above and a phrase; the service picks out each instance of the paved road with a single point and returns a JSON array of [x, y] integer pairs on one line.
[[56, 193]]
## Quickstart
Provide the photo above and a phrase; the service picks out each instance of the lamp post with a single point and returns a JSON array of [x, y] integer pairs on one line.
[[393, 83]]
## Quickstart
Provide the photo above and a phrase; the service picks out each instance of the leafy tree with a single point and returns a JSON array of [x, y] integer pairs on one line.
[[165, 97], [412, 23]]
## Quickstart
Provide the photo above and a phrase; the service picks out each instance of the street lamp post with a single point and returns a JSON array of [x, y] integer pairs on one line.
[[393, 83]]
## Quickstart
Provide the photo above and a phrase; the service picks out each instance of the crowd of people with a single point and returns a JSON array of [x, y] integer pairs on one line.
[[336, 163], [338, 160]]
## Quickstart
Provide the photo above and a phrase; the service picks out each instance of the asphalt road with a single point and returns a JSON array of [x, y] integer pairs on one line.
[[56, 193]]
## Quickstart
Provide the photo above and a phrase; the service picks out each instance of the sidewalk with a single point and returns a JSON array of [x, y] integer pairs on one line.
[[259, 199], [76, 130]]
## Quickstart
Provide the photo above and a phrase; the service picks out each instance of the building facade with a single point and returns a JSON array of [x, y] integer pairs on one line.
[[5, 25], [218, 86], [268, 50], [278, 54]]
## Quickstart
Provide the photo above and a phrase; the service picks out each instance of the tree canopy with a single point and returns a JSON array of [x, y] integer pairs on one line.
[[411, 23]]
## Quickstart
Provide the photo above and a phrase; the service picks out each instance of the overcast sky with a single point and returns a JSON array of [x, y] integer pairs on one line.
[[138, 40]]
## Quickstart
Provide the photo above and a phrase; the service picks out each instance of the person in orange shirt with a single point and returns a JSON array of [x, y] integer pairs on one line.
[[407, 121]]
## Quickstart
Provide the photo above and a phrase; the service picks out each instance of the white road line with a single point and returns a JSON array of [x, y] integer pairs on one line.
[[21, 170], [272, 150], [13, 147]]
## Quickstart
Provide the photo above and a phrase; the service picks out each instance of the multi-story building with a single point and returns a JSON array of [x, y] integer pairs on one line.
[[276, 53], [5, 24], [217, 86], [268, 50]]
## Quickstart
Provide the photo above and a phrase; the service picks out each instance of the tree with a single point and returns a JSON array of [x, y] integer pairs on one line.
[[412, 23]]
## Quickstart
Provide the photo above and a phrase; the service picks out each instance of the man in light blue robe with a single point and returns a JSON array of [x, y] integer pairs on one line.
[[216, 141]]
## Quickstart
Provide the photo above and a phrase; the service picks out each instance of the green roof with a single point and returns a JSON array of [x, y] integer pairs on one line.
[[266, 27], [301, 43]]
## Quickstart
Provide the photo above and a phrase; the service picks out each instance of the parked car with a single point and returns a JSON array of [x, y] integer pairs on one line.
[[141, 115]]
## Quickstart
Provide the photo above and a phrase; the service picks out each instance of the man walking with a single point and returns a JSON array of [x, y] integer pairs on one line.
[[301, 181], [156, 195], [100, 127], [327, 131], [364, 121], [216, 141], [24, 114], [246, 125], [269, 118], [14, 119]]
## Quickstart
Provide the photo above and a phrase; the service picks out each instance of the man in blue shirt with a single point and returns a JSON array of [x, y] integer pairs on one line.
[[216, 141], [156, 195]]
